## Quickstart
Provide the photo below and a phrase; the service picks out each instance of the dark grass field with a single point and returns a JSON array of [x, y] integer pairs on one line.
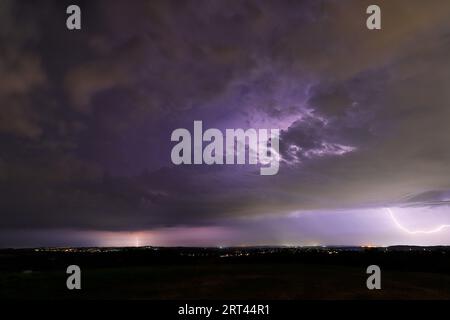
[[123, 276]]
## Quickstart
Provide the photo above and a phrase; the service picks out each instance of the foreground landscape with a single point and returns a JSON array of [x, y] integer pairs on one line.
[[226, 273]]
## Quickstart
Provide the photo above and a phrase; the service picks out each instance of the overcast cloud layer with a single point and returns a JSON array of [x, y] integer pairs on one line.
[[86, 116]]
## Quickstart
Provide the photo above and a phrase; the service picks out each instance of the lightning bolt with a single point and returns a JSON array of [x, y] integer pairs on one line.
[[399, 225]]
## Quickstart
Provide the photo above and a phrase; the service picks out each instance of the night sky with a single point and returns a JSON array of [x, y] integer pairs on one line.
[[86, 118]]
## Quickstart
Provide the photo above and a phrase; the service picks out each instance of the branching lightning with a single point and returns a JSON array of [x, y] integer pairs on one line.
[[401, 227]]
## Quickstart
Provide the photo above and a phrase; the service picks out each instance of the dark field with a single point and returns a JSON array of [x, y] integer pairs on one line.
[[235, 273]]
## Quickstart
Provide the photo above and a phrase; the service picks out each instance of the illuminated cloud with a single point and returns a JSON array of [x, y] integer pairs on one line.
[[86, 118]]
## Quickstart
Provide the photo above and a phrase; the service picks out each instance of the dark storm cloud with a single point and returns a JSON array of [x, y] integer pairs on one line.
[[86, 116], [332, 100], [21, 72]]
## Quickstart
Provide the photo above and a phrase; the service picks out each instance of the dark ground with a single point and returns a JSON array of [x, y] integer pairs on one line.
[[234, 273]]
